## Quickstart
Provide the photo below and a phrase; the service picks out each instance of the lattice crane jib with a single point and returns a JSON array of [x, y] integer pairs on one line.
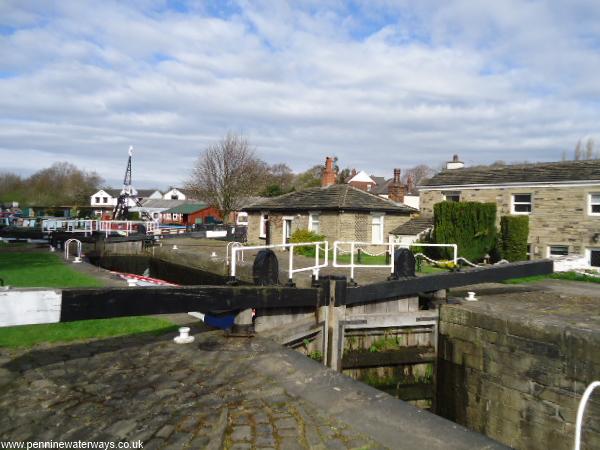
[[128, 195]]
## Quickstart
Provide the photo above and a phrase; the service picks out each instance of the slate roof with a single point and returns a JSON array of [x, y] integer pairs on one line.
[[186, 208], [140, 192], [553, 172], [414, 226], [163, 203], [335, 197]]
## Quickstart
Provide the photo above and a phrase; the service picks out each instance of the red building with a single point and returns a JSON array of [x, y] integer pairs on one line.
[[190, 214]]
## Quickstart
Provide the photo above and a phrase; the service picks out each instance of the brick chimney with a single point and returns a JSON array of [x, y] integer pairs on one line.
[[395, 188], [328, 174], [410, 184]]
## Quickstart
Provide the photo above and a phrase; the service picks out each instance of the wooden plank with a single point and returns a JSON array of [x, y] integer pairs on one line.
[[407, 355], [413, 286], [82, 304], [412, 319]]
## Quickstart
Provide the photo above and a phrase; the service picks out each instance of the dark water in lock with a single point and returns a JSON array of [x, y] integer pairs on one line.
[[156, 268]]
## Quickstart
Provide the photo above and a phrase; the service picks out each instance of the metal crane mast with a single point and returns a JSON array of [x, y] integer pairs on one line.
[[128, 195]]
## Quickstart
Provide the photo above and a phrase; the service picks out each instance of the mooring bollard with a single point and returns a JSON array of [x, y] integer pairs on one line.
[[471, 297], [184, 336]]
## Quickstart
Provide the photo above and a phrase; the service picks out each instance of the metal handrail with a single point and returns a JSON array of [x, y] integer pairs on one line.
[[391, 246], [78, 249], [229, 246], [580, 411], [291, 271]]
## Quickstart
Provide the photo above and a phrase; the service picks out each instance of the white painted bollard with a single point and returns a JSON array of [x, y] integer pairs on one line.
[[471, 297], [175, 247], [184, 336], [77, 260], [52, 249], [213, 255]]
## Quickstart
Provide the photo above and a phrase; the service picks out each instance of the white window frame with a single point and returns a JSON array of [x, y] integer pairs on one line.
[[97, 200], [588, 254], [312, 221], [513, 203], [447, 194], [284, 221], [262, 231], [591, 204], [377, 239], [242, 219], [549, 251]]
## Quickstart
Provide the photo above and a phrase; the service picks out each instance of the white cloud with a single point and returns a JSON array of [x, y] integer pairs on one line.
[[379, 85]]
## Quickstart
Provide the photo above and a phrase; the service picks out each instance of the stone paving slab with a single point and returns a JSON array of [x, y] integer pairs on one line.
[[215, 393]]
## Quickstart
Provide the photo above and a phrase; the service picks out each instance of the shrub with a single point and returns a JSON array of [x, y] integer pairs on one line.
[[514, 231], [470, 225], [305, 236]]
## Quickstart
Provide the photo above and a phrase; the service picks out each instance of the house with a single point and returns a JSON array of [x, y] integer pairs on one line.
[[190, 214], [413, 230], [105, 200], [178, 194], [408, 195], [153, 207], [562, 200], [337, 211]]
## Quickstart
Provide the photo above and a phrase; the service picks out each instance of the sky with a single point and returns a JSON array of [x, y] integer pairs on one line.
[[377, 83]]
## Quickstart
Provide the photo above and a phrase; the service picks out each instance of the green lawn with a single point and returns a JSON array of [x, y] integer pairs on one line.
[[39, 269], [28, 335], [571, 276]]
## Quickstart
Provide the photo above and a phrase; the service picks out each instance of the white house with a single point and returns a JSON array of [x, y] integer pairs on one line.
[[174, 194], [106, 199]]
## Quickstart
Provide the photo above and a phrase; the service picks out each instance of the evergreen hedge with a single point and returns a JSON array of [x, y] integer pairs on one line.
[[514, 232], [303, 235], [470, 225]]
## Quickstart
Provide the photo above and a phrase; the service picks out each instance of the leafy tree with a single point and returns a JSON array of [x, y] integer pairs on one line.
[[309, 178]]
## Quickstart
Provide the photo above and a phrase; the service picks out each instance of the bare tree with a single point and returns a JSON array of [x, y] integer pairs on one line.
[[309, 178], [578, 153], [589, 149], [227, 173], [418, 173]]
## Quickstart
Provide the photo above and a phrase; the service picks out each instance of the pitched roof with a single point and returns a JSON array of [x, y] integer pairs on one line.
[[361, 177], [163, 203], [140, 192], [146, 192], [335, 197], [186, 208], [414, 226], [553, 172]]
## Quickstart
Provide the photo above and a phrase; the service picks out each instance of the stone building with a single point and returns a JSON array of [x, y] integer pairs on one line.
[[562, 200], [337, 211]]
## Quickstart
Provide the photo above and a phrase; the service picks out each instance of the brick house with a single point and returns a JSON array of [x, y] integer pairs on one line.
[[337, 211], [562, 200]]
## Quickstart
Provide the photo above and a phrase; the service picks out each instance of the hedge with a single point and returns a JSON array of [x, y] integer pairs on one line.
[[470, 225], [305, 236], [514, 232]]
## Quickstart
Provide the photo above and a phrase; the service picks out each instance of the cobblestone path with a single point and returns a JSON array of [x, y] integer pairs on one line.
[[200, 395]]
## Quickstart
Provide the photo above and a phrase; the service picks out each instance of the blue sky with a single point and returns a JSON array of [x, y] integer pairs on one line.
[[379, 84]]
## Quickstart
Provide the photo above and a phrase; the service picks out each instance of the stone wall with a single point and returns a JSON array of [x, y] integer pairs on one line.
[[346, 226], [559, 215], [518, 381]]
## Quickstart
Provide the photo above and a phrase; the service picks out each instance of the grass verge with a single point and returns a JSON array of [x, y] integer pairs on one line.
[[570, 276], [38, 269], [28, 335]]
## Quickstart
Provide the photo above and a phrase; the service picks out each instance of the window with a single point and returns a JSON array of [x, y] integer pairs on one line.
[[368, 188], [377, 228], [263, 225], [453, 196], [97, 199], [242, 218], [155, 215], [104, 199], [554, 251], [521, 204], [314, 222], [595, 257], [594, 204], [528, 251]]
